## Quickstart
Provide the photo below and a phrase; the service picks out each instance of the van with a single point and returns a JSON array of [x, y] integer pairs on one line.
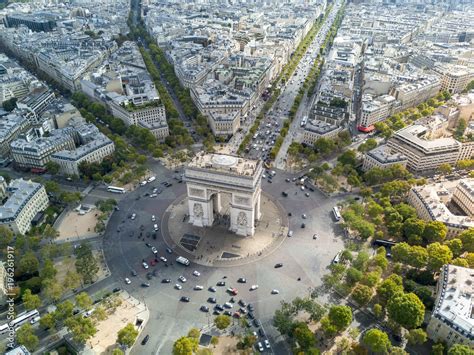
[[290, 233], [182, 260]]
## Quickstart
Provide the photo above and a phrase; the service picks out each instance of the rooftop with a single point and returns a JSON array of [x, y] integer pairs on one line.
[[21, 192], [414, 134], [455, 302], [226, 164], [383, 155]]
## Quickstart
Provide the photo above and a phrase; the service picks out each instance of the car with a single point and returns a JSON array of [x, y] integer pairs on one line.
[[116, 289], [254, 287], [148, 245], [204, 309], [275, 292], [261, 332], [306, 194], [216, 312], [302, 188], [163, 259], [184, 299], [304, 216], [251, 315], [149, 275], [242, 280], [196, 273], [127, 281], [220, 283], [303, 225], [212, 289], [154, 250], [267, 343], [242, 303], [134, 273], [169, 251], [145, 339], [287, 180], [178, 286], [212, 300], [153, 218], [243, 310], [237, 315], [284, 193], [156, 228], [182, 278], [260, 347], [133, 216], [290, 233], [228, 305], [233, 291], [315, 236], [145, 265], [165, 281], [145, 284], [257, 322], [279, 265], [198, 288], [219, 307], [228, 313]]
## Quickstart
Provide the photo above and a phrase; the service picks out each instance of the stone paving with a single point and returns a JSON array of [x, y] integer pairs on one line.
[[217, 246]]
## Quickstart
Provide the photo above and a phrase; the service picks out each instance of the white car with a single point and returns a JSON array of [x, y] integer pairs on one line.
[[127, 281], [275, 292], [134, 215], [145, 265], [154, 250], [153, 218], [182, 278], [178, 286], [196, 273], [254, 287], [267, 343], [260, 346], [155, 227], [303, 216], [198, 288], [163, 259]]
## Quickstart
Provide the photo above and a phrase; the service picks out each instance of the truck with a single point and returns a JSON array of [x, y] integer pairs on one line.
[[182, 260]]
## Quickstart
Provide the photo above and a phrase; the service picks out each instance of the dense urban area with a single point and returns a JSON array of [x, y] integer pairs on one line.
[[237, 177]]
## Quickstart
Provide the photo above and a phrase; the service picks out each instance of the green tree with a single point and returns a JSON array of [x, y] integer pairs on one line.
[[28, 263], [467, 238], [445, 168], [340, 316], [455, 245], [72, 280], [353, 275], [416, 336], [437, 349], [52, 289], [377, 341], [458, 349], [117, 351], [222, 321], [435, 231], [30, 301], [52, 167], [406, 309], [6, 237], [460, 128], [10, 104], [362, 294], [81, 328], [304, 336], [185, 346], [86, 263], [83, 301], [48, 321], [127, 335], [25, 336], [438, 255], [389, 287], [378, 310], [48, 270], [194, 333], [214, 341]]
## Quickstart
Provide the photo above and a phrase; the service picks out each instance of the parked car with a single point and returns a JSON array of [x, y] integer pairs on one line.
[[145, 339]]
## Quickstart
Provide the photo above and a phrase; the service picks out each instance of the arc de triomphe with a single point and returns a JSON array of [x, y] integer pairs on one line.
[[209, 175]]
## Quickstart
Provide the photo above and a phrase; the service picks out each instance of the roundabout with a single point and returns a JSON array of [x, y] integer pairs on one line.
[[304, 259]]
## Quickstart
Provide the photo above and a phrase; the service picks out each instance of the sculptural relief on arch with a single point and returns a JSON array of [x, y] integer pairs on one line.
[[224, 189]]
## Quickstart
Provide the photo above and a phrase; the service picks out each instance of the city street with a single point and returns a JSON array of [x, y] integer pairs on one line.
[[302, 257]]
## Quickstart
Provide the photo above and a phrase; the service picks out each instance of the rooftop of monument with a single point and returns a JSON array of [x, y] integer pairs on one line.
[[225, 164]]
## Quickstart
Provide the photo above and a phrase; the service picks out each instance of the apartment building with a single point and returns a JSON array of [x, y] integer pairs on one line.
[[36, 152], [451, 321], [24, 200], [10, 128], [426, 154], [463, 196], [35, 104], [316, 129], [413, 94], [92, 152], [382, 158], [454, 79], [431, 204], [376, 110], [3, 283]]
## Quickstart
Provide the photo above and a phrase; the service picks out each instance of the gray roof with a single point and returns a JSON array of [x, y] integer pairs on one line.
[[22, 191]]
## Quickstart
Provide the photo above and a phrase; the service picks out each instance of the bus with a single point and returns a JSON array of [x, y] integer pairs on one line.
[[182, 260], [23, 318], [4, 328], [337, 213], [118, 190]]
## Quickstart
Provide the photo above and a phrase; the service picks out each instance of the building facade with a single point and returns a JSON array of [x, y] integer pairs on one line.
[[25, 200], [382, 158]]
